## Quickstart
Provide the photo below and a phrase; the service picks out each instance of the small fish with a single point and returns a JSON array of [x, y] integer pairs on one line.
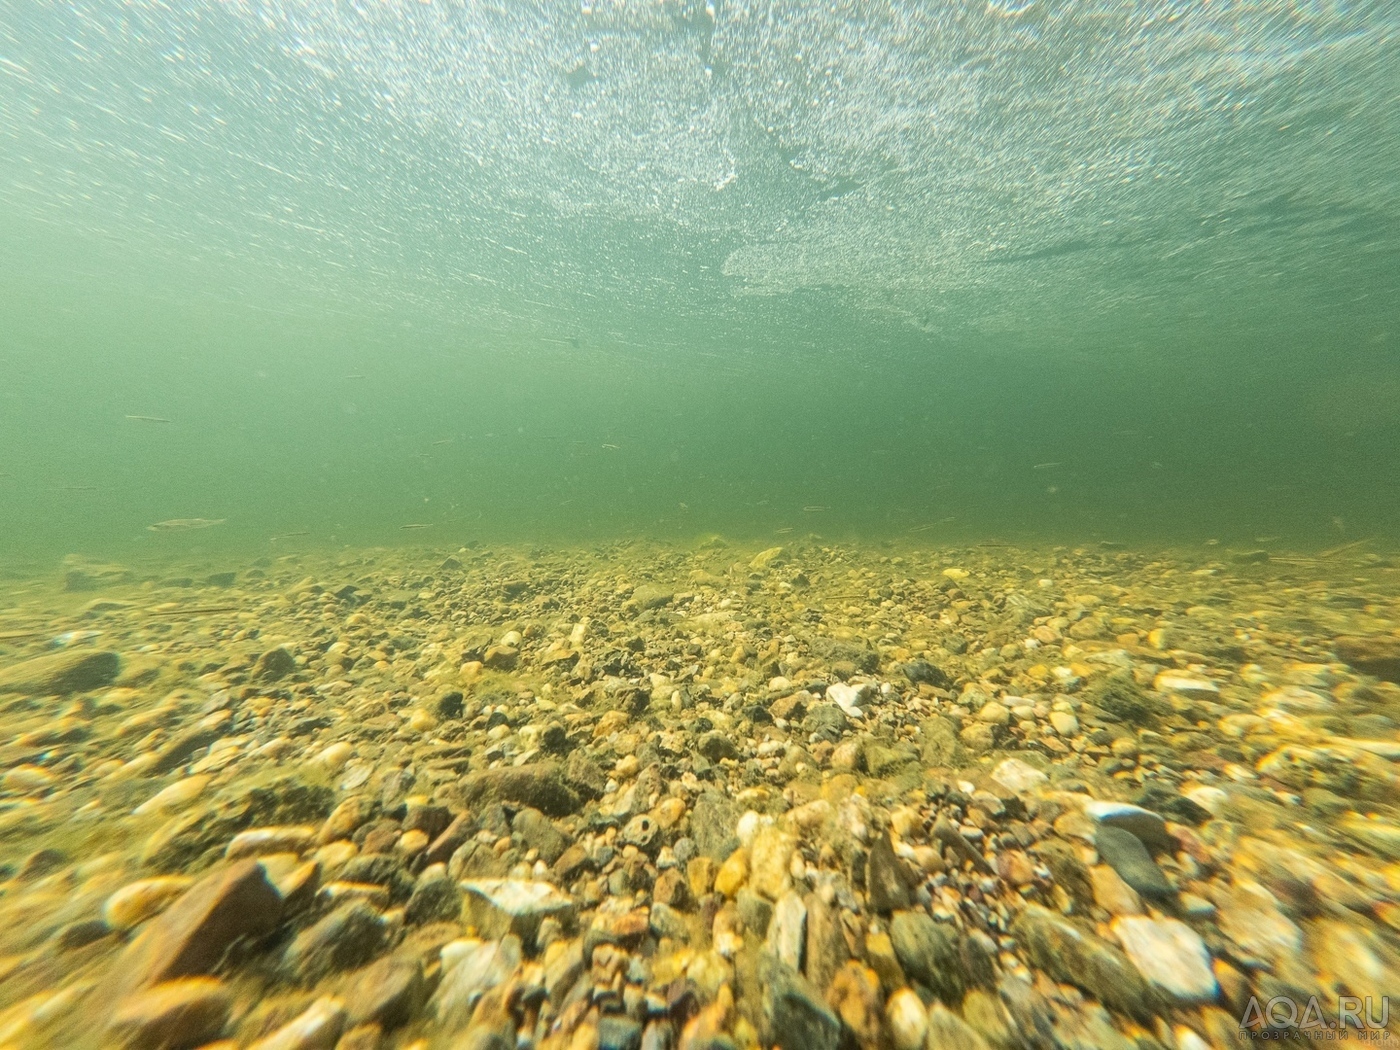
[[416, 526], [148, 419], [814, 508], [444, 441], [288, 535], [356, 375], [185, 524], [783, 531], [1045, 466], [606, 445], [67, 638]]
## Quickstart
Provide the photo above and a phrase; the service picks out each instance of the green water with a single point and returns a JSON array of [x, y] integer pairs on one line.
[[551, 271]]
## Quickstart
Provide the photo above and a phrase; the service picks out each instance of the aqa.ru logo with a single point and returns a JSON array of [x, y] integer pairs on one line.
[[1282, 1018]]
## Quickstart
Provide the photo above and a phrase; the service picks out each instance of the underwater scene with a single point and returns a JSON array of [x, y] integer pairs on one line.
[[680, 525]]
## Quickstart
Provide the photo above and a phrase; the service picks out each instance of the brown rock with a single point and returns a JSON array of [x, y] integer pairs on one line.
[[539, 785], [887, 882], [343, 821], [441, 849], [671, 889], [193, 934], [387, 993], [274, 664], [185, 1012]]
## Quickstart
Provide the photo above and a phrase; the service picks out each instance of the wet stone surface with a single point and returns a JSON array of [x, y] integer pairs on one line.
[[697, 798]]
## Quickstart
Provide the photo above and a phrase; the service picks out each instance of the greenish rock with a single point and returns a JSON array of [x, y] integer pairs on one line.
[[1070, 954], [1120, 698], [929, 954], [794, 1016], [70, 671]]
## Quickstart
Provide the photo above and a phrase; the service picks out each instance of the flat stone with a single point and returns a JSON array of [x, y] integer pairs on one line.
[[1250, 916], [794, 1016], [667, 922], [827, 949], [435, 897], [1169, 954], [540, 785], [948, 1031], [769, 857], [274, 664], [1073, 955], [259, 841], [498, 907], [928, 953], [907, 1020], [193, 934], [184, 1012], [70, 671], [1018, 776], [1124, 853], [388, 992]]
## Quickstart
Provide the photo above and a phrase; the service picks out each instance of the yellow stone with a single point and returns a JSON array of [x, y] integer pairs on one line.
[[733, 873], [700, 874], [138, 901], [763, 559], [770, 855], [174, 796]]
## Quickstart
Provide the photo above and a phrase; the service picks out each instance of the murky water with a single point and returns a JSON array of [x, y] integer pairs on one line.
[[697, 524]]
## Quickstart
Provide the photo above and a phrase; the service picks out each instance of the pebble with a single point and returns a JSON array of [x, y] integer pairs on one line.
[[260, 841], [174, 796], [787, 930], [1017, 776], [318, 1028], [1169, 954], [136, 902], [1124, 853], [907, 1019]]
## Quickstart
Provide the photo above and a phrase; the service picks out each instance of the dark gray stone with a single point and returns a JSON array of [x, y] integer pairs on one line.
[[348, 937], [929, 954], [712, 823], [538, 832], [1076, 956], [435, 898], [619, 1033], [1124, 853], [793, 1013], [886, 879]]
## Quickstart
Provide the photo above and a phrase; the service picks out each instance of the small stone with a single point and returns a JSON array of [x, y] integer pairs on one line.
[[880, 953], [948, 1031], [700, 876], [318, 1028], [978, 737], [1125, 853], [1169, 954], [855, 996], [1148, 826], [667, 922], [388, 993], [173, 796], [619, 1033], [1378, 655], [928, 953], [732, 874], [1065, 723], [541, 785], [1017, 776], [1073, 955], [994, 714], [28, 779], [754, 912], [349, 936], [787, 931], [435, 897], [274, 664], [887, 882], [471, 967], [259, 841], [1112, 894], [769, 859], [138, 901], [907, 1020], [184, 1012], [794, 1017], [538, 832]]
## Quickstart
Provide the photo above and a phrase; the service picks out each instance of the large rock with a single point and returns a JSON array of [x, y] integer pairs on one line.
[[1379, 656], [71, 671], [537, 832], [193, 934], [1073, 955], [793, 1013], [540, 785], [712, 824], [929, 954], [388, 993]]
